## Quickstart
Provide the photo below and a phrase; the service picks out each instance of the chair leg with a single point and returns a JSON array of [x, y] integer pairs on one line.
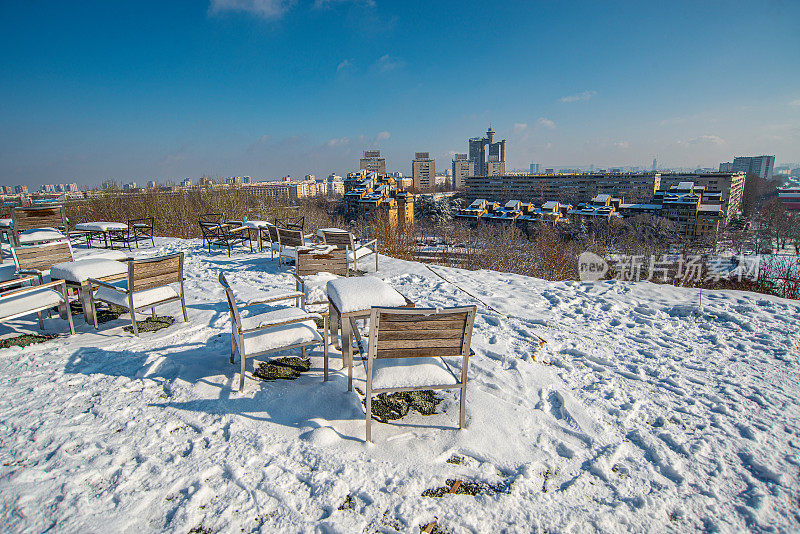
[[133, 322], [233, 342], [183, 307], [94, 311], [241, 373], [153, 312], [41, 322], [69, 311], [376, 259], [325, 344], [462, 407], [369, 415]]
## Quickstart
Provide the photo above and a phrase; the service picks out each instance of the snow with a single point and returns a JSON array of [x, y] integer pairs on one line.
[[100, 226], [34, 299], [361, 293], [315, 287], [40, 235], [643, 411], [142, 298], [82, 270], [410, 372]]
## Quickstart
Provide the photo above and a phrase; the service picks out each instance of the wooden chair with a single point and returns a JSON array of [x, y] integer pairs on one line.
[[289, 241], [34, 299], [216, 232], [274, 241], [293, 223], [287, 327], [138, 230], [147, 285], [406, 352], [355, 250], [33, 225]]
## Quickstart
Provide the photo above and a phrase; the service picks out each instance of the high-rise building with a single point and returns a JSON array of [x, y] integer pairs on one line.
[[372, 161], [534, 168], [72, 188], [728, 185], [423, 171], [761, 166], [151, 184], [488, 157], [21, 189], [462, 167], [726, 166], [186, 182], [655, 165]]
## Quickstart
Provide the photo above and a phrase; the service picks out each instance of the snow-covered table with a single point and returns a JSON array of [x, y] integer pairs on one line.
[[103, 228], [352, 299]]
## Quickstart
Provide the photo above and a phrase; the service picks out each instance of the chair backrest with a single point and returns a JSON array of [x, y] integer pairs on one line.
[[339, 239], [42, 257], [420, 332], [210, 218], [142, 224], [294, 223], [310, 262], [234, 309], [273, 233], [26, 218], [155, 272], [290, 238], [210, 224]]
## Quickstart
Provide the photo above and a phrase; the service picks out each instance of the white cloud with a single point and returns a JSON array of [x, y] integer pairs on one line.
[[578, 97], [329, 3], [622, 144], [520, 126], [268, 9], [382, 135], [545, 122], [795, 103], [388, 63], [338, 141], [344, 65], [705, 139]]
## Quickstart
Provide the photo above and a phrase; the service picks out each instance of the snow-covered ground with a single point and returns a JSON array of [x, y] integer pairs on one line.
[[641, 413]]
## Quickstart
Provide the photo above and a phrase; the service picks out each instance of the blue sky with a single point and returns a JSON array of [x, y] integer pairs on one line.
[[164, 90]]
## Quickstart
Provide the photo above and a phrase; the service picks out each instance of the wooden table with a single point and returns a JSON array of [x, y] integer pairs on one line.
[[351, 299]]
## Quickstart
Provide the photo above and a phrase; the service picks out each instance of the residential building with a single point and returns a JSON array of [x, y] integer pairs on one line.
[[535, 168], [21, 189], [726, 166], [568, 188], [72, 188], [602, 207], [423, 171], [790, 198], [488, 156], [761, 166], [729, 185], [130, 186], [283, 189], [462, 167], [696, 211], [373, 162], [371, 194], [187, 182], [151, 184]]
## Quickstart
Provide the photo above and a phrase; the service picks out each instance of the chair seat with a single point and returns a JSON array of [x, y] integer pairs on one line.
[[257, 224], [141, 299], [361, 293], [116, 255], [410, 372], [288, 313], [8, 272], [315, 287], [29, 301], [40, 235], [360, 252], [79, 271], [279, 337]]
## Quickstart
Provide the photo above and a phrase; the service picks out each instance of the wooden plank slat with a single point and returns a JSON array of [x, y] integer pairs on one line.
[[410, 317], [417, 353], [421, 325], [456, 333], [386, 344]]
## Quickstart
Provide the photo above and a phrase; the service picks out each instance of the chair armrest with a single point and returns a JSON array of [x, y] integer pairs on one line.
[[285, 296], [20, 280], [35, 272], [282, 323], [238, 229], [368, 243], [97, 282], [36, 288]]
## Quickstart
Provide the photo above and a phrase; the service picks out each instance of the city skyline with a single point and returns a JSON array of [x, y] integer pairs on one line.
[[268, 88]]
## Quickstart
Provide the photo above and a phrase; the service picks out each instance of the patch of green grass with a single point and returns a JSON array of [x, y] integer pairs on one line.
[[468, 488], [288, 368], [392, 406], [24, 340], [151, 324]]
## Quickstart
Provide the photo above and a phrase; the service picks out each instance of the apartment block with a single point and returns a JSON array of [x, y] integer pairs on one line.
[[761, 166], [373, 162], [423, 171], [730, 186], [563, 187], [370, 194]]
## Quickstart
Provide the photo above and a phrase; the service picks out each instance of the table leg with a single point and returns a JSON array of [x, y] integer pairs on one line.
[[347, 343], [85, 295]]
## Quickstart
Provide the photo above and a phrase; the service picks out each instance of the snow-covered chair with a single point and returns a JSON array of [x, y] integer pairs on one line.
[[31, 225], [407, 351], [286, 327], [54, 261], [34, 299], [290, 241], [149, 283], [355, 249]]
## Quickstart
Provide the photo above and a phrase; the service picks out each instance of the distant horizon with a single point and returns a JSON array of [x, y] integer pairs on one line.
[[267, 88]]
